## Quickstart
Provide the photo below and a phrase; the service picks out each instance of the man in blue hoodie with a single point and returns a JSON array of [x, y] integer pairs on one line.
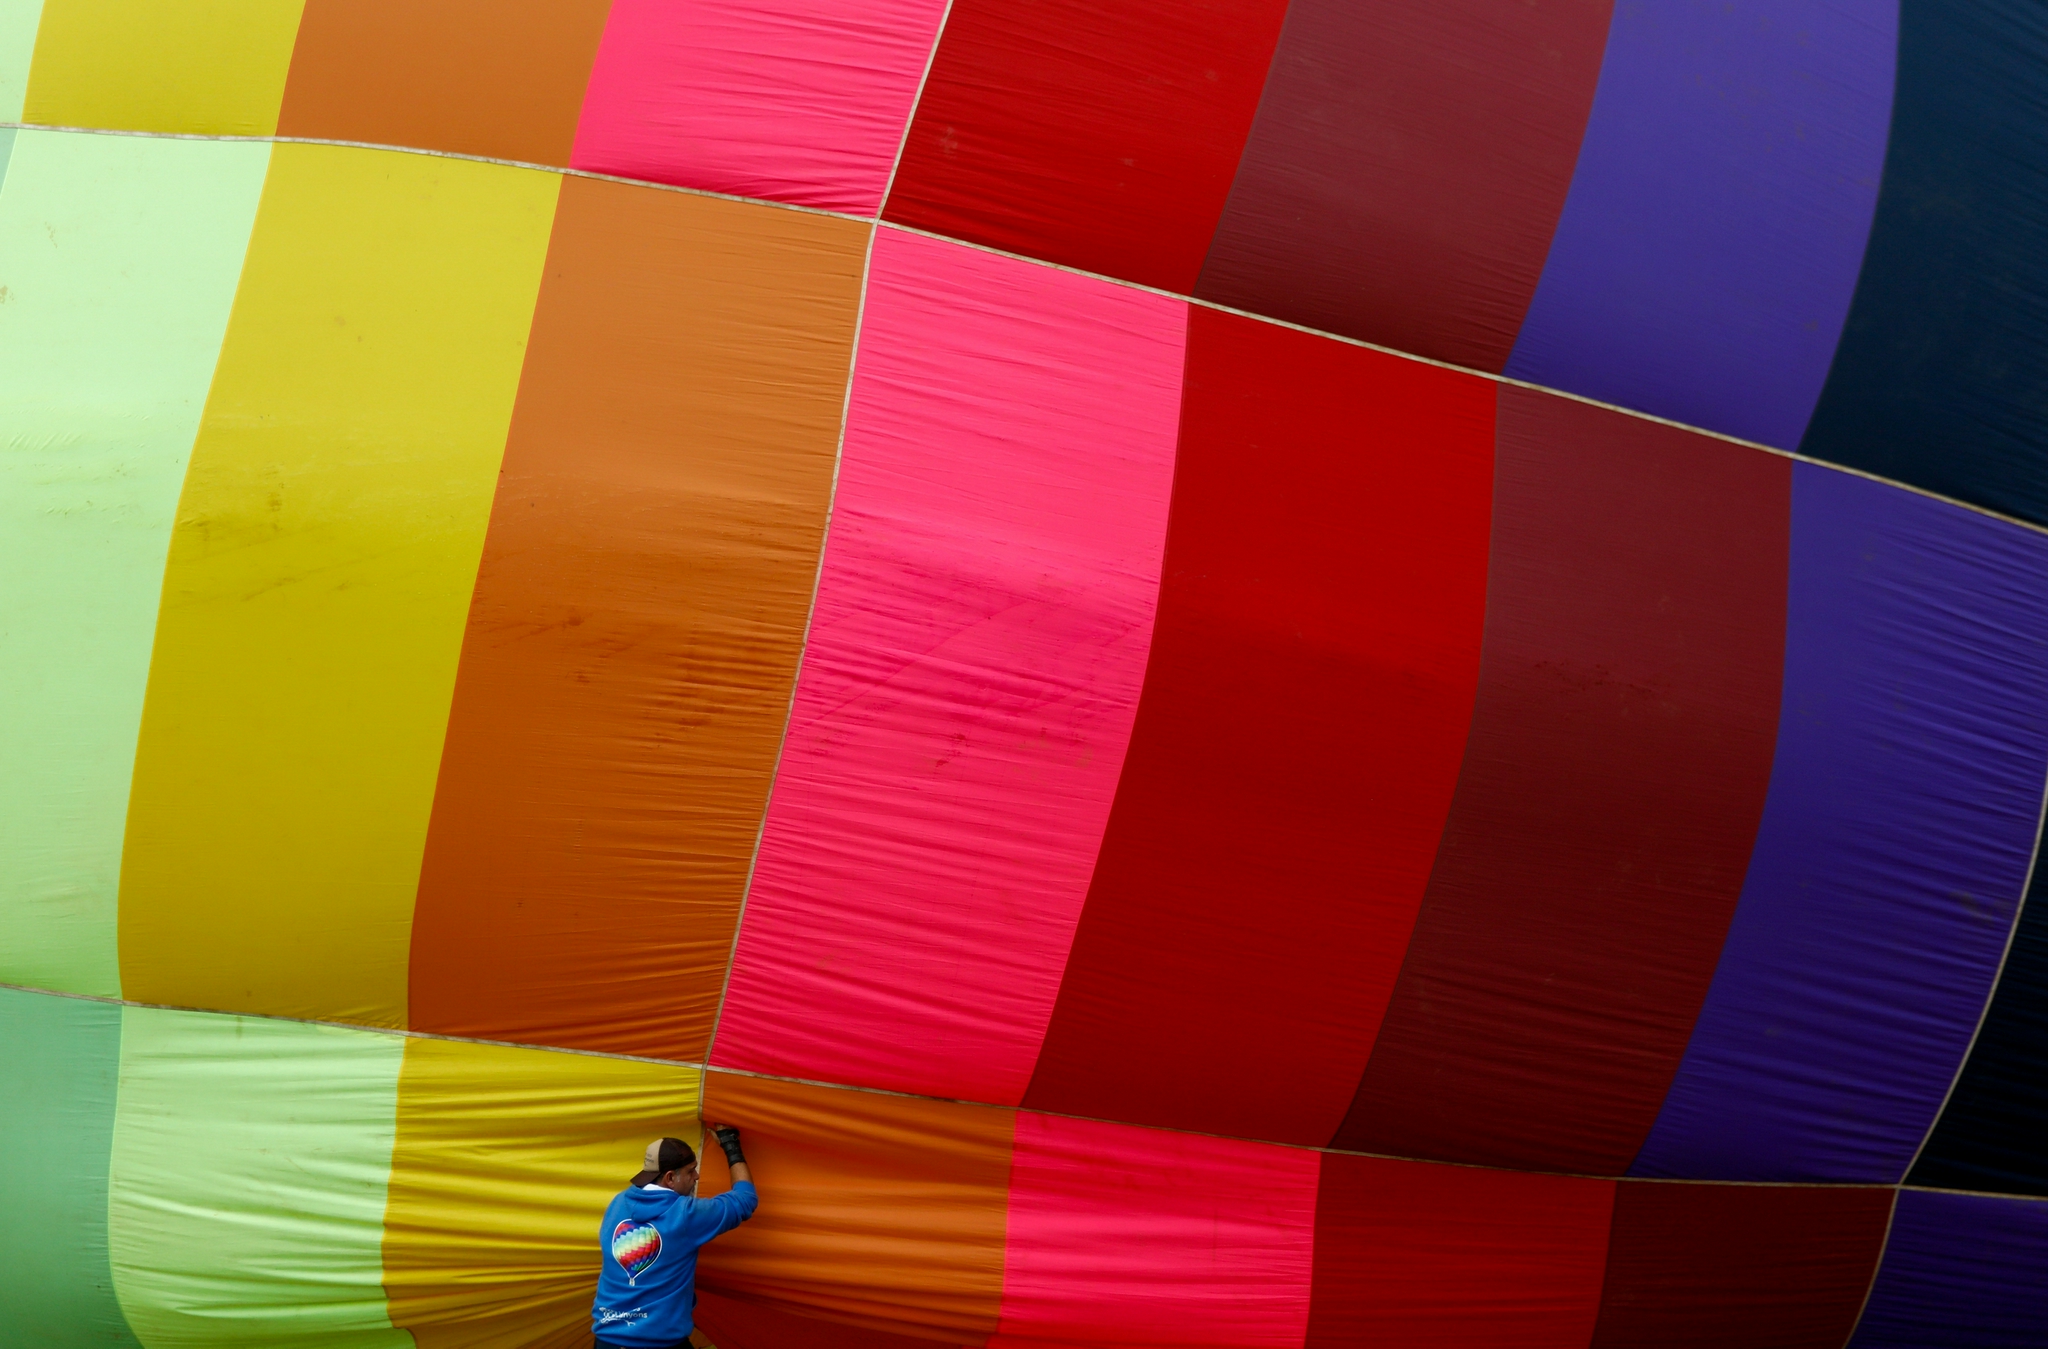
[[652, 1231]]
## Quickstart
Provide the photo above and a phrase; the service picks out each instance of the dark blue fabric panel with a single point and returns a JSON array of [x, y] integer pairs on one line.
[[1904, 800], [1717, 216], [1941, 378], [1960, 1271], [1993, 1135]]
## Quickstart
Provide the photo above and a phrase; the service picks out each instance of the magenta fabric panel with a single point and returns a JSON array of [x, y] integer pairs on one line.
[[972, 673], [1127, 1236], [802, 101]]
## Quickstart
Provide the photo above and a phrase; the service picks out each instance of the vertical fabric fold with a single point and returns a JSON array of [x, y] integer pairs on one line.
[[879, 1212], [502, 1161], [974, 662]]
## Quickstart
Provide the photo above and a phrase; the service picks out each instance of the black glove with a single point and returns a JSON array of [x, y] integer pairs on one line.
[[729, 1139]]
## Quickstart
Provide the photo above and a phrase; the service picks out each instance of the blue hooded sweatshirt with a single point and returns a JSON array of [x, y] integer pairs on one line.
[[648, 1282]]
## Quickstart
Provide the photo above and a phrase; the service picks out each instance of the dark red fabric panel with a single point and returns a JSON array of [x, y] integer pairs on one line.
[[1297, 741], [1101, 136], [731, 1323], [1761, 1266], [1407, 168], [1411, 1255], [1620, 751]]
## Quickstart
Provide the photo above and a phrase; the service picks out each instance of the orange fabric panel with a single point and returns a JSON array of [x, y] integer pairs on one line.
[[887, 1212], [501, 1166], [636, 622], [501, 78]]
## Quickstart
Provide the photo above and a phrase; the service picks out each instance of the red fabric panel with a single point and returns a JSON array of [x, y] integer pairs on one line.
[[1297, 741], [1415, 1256], [1620, 751], [1761, 1266], [731, 1323], [1099, 136], [1407, 169]]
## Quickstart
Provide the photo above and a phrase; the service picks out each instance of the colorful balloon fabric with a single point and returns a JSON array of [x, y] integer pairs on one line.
[[1248, 673]]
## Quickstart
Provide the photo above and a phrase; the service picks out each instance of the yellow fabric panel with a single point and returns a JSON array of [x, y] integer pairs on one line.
[[319, 579], [505, 1160], [215, 67]]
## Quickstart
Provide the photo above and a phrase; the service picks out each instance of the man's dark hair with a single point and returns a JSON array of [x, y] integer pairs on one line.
[[663, 1156]]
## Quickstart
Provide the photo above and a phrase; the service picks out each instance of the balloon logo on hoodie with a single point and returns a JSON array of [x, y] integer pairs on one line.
[[636, 1246]]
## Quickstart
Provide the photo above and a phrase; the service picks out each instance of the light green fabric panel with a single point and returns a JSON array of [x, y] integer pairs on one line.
[[119, 257], [18, 21], [58, 1061], [250, 1164]]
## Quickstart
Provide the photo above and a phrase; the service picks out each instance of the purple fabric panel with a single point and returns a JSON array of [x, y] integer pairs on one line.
[[1961, 1271], [1895, 841], [1716, 221]]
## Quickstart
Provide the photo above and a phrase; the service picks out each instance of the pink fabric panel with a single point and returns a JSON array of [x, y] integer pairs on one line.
[[802, 101], [973, 669], [1128, 1236]]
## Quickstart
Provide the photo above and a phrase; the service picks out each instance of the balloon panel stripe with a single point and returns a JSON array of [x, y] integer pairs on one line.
[[1935, 382], [720, 68], [1620, 749], [1100, 137], [1961, 1271], [490, 1233], [247, 1191], [890, 1212], [1904, 803], [1199, 1241], [1704, 1266], [61, 1060], [1416, 1256], [1407, 168], [319, 574], [107, 345], [499, 78], [1706, 255], [1298, 738], [162, 65], [635, 626], [975, 659], [1993, 1133]]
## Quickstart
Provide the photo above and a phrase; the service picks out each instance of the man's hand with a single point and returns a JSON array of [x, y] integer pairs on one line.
[[728, 1139]]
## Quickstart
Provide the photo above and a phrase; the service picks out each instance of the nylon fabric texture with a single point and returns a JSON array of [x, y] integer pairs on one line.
[[1172, 649], [154, 233]]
